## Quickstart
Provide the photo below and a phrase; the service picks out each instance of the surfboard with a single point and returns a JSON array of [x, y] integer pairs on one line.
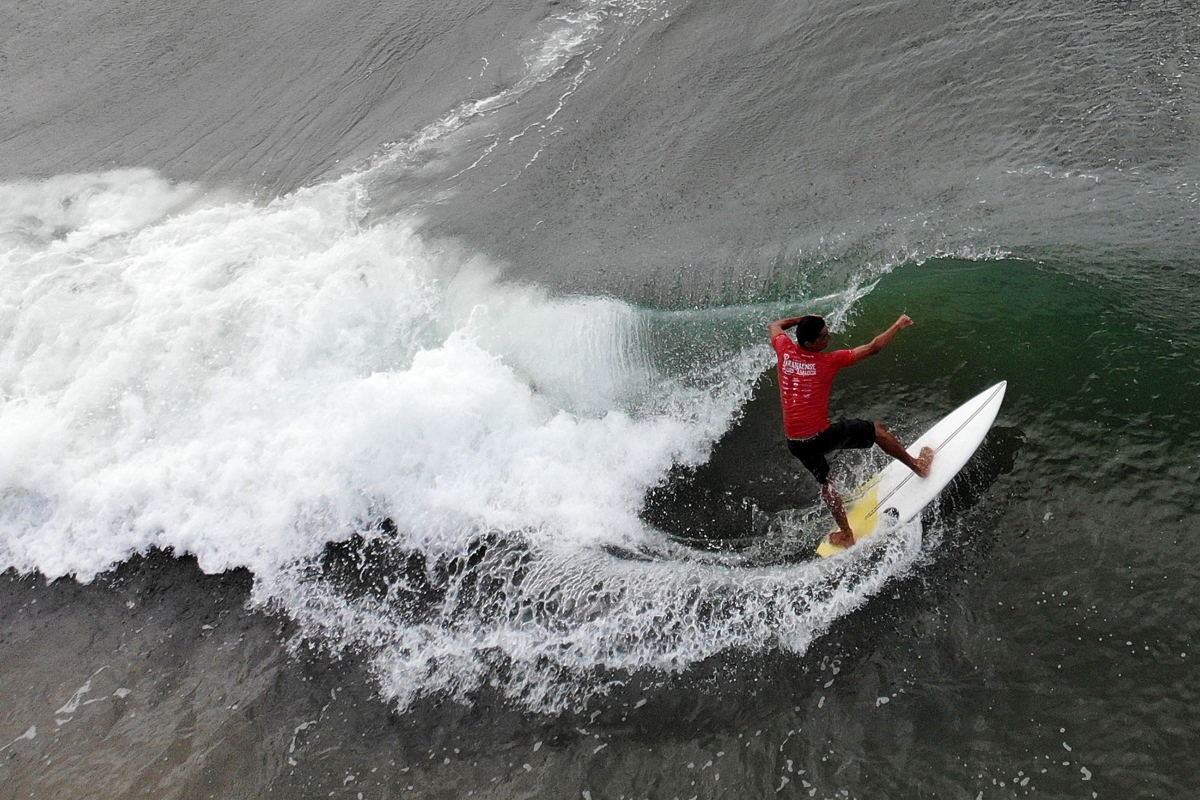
[[897, 493]]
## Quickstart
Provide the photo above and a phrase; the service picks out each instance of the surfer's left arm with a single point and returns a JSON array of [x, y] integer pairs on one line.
[[876, 345]]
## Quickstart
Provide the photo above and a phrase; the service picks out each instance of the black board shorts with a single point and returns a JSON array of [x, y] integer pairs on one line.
[[845, 434]]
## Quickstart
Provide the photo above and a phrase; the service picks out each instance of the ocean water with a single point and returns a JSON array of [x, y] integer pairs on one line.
[[386, 408]]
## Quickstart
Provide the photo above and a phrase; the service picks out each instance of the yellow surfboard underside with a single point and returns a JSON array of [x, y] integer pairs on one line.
[[861, 511]]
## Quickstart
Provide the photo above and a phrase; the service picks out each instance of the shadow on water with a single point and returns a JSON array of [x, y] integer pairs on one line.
[[728, 501]]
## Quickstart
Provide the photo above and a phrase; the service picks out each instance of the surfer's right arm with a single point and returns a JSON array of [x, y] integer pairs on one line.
[[781, 325]]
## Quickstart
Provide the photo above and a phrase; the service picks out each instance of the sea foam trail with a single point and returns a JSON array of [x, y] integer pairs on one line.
[[557, 628]]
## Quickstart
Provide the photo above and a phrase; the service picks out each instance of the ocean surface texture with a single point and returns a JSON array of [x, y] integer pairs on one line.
[[386, 408]]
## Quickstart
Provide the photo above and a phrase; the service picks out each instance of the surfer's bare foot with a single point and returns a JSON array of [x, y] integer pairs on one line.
[[924, 462], [841, 538]]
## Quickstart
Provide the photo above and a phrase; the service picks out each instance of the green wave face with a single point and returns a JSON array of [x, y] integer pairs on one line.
[[1098, 411]]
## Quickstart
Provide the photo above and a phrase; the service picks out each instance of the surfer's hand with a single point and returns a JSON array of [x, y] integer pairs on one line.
[[905, 321]]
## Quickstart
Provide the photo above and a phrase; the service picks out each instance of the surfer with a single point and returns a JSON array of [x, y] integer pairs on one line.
[[806, 374]]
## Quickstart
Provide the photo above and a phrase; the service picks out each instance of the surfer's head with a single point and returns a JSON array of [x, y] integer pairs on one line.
[[811, 332]]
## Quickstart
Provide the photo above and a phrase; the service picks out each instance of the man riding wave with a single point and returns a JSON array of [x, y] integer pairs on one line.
[[806, 374]]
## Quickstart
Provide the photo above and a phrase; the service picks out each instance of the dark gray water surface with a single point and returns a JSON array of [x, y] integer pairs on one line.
[[276, 274]]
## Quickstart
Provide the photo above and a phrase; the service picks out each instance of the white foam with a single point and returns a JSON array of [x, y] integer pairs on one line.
[[88, 206], [247, 382]]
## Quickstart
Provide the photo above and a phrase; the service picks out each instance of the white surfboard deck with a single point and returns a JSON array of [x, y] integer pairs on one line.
[[897, 492]]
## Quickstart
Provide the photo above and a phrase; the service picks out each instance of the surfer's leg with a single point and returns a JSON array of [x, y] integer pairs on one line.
[[811, 453], [844, 537], [892, 446]]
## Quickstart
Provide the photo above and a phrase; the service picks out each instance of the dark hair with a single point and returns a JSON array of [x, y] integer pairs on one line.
[[809, 328]]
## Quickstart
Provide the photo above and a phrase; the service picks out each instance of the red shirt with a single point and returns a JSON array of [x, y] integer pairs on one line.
[[805, 382]]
